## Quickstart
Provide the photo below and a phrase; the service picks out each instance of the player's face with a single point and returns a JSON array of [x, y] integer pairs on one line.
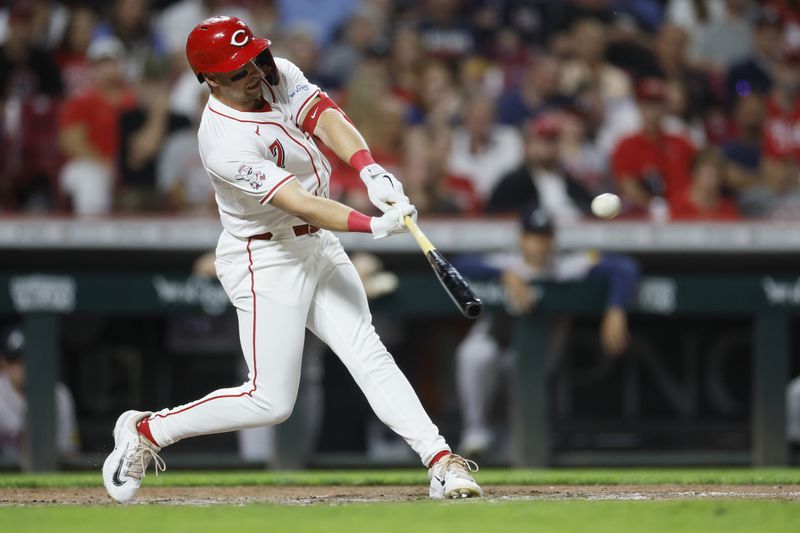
[[241, 87], [15, 370], [537, 248]]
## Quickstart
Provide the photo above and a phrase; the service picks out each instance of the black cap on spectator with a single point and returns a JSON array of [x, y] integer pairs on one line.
[[13, 343], [537, 221]]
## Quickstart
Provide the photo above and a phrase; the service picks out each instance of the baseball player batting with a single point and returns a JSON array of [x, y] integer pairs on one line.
[[279, 262]]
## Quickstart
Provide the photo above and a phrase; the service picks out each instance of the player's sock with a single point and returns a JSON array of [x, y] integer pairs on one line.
[[438, 457], [143, 427]]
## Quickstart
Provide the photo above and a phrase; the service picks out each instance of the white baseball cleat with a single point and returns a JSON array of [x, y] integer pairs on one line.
[[125, 467], [451, 478]]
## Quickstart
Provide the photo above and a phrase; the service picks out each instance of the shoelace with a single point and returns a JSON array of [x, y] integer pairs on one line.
[[140, 460], [462, 467]]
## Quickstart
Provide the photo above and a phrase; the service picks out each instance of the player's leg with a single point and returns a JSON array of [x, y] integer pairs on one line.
[[340, 317], [272, 296], [478, 362], [272, 305]]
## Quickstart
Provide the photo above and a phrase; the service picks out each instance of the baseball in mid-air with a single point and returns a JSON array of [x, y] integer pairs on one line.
[[606, 205]]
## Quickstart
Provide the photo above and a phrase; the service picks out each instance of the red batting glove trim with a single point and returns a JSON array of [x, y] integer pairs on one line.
[[361, 159], [358, 222]]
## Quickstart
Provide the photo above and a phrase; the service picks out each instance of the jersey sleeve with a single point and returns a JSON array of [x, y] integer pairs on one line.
[[244, 168], [300, 91]]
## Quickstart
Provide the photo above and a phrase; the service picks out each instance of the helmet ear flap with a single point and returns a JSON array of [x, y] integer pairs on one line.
[[265, 59]]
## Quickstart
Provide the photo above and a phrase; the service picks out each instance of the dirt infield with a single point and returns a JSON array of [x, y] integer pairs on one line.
[[348, 494]]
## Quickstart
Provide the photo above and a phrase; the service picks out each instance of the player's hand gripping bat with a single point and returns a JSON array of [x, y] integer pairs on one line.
[[455, 285]]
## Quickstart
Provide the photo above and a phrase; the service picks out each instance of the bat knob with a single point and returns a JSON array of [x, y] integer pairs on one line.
[[473, 309]]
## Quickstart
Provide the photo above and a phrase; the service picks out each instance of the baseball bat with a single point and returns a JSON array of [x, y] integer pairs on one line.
[[454, 284]]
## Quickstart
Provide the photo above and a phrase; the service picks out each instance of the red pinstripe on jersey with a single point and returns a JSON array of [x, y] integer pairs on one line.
[[255, 369]]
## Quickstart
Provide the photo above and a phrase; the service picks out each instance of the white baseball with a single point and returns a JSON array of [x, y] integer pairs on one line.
[[606, 205]]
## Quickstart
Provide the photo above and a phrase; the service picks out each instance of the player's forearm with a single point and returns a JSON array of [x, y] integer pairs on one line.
[[318, 211], [338, 134]]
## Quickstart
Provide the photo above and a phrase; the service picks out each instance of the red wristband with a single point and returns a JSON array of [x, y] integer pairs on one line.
[[359, 222], [361, 159]]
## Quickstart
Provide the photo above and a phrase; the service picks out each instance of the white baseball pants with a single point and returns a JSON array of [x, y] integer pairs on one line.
[[279, 288]]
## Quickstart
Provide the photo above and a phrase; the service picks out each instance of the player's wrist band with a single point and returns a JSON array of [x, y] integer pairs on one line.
[[361, 159], [359, 222]]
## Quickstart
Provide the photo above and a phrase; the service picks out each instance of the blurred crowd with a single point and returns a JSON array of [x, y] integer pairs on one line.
[[688, 109]]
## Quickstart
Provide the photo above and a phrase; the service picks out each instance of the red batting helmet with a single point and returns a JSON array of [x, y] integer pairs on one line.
[[222, 44]]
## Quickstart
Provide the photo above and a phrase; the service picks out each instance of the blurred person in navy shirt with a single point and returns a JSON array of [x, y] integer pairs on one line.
[[485, 352]]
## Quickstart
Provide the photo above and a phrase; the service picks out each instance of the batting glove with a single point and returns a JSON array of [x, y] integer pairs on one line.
[[383, 188], [392, 220]]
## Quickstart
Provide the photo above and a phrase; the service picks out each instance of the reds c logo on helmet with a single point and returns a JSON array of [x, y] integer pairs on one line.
[[222, 44]]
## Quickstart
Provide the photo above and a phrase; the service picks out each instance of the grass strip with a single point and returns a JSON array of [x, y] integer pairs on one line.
[[728, 516]]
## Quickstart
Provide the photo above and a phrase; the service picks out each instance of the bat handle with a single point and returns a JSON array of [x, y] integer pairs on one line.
[[422, 240]]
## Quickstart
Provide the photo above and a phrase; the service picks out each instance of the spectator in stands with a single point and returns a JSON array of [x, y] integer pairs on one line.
[[71, 53], [781, 143], [439, 102], [671, 62], [583, 157], [340, 60], [727, 40], [444, 30], [486, 352], [130, 22], [13, 403], [694, 16], [482, 150], [705, 199], [742, 149], [406, 63], [754, 73], [144, 129], [588, 64], [541, 181], [181, 178], [679, 119], [25, 70], [30, 88], [326, 17], [301, 48], [539, 90], [89, 130], [652, 167], [429, 182]]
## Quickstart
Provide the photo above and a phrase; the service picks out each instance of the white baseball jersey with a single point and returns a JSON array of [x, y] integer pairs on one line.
[[249, 156], [282, 286]]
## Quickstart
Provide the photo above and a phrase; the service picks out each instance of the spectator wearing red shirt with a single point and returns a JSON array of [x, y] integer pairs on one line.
[[781, 141], [71, 53], [652, 166], [704, 199], [89, 130]]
